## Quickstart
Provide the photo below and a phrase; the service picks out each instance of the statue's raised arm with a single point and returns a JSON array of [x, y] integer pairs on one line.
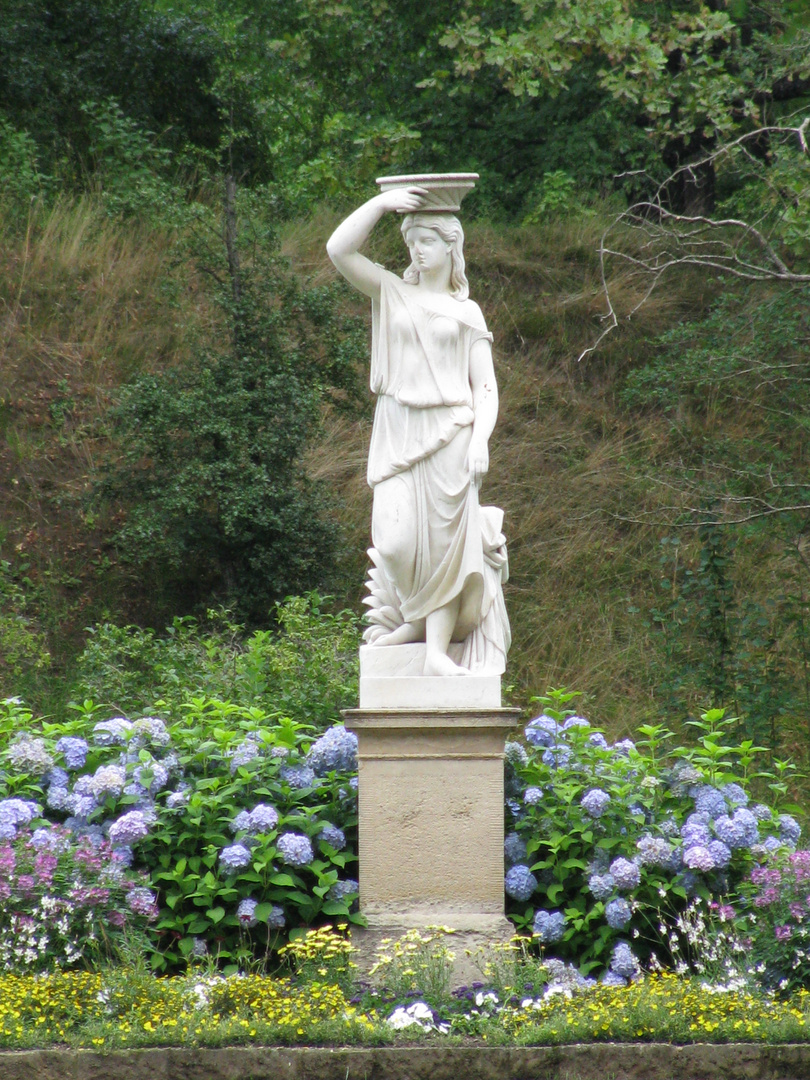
[[439, 558]]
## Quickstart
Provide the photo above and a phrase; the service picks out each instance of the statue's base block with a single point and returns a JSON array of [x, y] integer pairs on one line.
[[431, 820], [391, 678]]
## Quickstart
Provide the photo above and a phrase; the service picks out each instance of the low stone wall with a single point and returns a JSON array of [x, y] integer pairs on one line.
[[600, 1061]]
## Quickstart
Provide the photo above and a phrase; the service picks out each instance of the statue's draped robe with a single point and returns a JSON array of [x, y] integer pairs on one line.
[[420, 372]]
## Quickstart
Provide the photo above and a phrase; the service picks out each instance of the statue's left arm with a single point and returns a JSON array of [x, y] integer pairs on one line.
[[485, 407]]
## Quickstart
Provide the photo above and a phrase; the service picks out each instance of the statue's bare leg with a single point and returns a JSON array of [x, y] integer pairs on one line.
[[403, 634], [439, 627]]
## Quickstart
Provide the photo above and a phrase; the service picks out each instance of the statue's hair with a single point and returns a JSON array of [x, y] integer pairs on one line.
[[449, 229]]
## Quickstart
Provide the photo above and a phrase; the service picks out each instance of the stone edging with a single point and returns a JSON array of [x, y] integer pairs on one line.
[[593, 1061]]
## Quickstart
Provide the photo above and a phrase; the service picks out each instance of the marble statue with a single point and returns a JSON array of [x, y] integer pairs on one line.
[[439, 558]]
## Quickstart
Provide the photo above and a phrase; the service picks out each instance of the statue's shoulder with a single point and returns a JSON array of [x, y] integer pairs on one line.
[[472, 314]]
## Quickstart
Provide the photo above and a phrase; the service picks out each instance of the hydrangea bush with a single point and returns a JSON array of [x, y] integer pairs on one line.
[[243, 822], [606, 843]]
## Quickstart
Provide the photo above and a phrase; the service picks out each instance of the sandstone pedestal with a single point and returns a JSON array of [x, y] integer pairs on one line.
[[431, 816]]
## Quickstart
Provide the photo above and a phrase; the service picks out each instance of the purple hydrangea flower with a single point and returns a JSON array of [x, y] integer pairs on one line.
[[246, 913], [342, 890], [295, 849], [625, 873], [261, 819], [549, 926], [123, 854], [623, 962], [790, 830], [696, 833], [514, 848], [532, 796], [595, 802], [297, 776], [520, 882], [113, 732], [542, 731], [276, 919], [601, 885], [698, 857], [75, 751], [129, 829], [234, 857], [731, 831], [618, 913], [335, 751], [142, 902], [332, 835], [654, 851]]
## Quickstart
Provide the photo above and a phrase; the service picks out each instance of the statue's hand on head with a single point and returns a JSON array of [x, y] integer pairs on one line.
[[403, 200]]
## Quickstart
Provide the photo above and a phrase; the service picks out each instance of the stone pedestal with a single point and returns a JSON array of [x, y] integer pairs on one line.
[[431, 816]]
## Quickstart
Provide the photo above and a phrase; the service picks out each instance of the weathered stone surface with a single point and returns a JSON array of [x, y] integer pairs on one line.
[[654, 1061]]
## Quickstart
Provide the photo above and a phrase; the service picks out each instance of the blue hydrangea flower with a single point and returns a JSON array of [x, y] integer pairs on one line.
[[709, 800], [241, 823], [342, 890], [234, 857], [123, 855], [276, 919], [57, 798], [762, 812], [14, 812], [601, 885], [610, 978], [623, 962], [542, 731], [520, 882], [532, 796], [772, 843], [790, 830], [160, 776], [514, 848], [598, 739], [557, 757], [113, 732], [129, 828], [57, 777], [735, 795], [81, 806], [335, 751], [176, 800], [30, 755], [549, 926], [618, 913], [141, 901], [515, 754], [625, 873], [575, 722], [720, 853], [624, 747], [150, 729], [297, 776], [668, 827], [75, 751], [243, 754], [749, 823], [108, 780], [295, 849], [332, 835], [595, 802], [261, 819], [654, 851], [515, 809], [698, 857], [696, 833], [246, 913]]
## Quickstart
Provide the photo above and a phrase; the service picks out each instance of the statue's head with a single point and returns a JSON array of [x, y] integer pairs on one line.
[[450, 232]]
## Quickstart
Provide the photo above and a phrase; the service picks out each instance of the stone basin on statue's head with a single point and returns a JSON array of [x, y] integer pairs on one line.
[[445, 190]]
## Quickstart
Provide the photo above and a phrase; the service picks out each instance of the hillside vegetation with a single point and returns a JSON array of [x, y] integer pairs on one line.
[[183, 412]]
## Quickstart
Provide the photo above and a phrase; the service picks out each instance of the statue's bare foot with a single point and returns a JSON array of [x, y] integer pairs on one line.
[[441, 664], [403, 635]]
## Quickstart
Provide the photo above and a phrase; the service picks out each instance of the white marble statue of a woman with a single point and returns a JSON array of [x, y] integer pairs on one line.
[[440, 558]]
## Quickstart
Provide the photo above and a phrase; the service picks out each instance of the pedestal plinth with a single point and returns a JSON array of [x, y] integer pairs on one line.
[[431, 816]]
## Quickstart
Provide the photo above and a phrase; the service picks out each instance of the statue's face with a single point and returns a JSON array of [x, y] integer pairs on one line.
[[428, 250]]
